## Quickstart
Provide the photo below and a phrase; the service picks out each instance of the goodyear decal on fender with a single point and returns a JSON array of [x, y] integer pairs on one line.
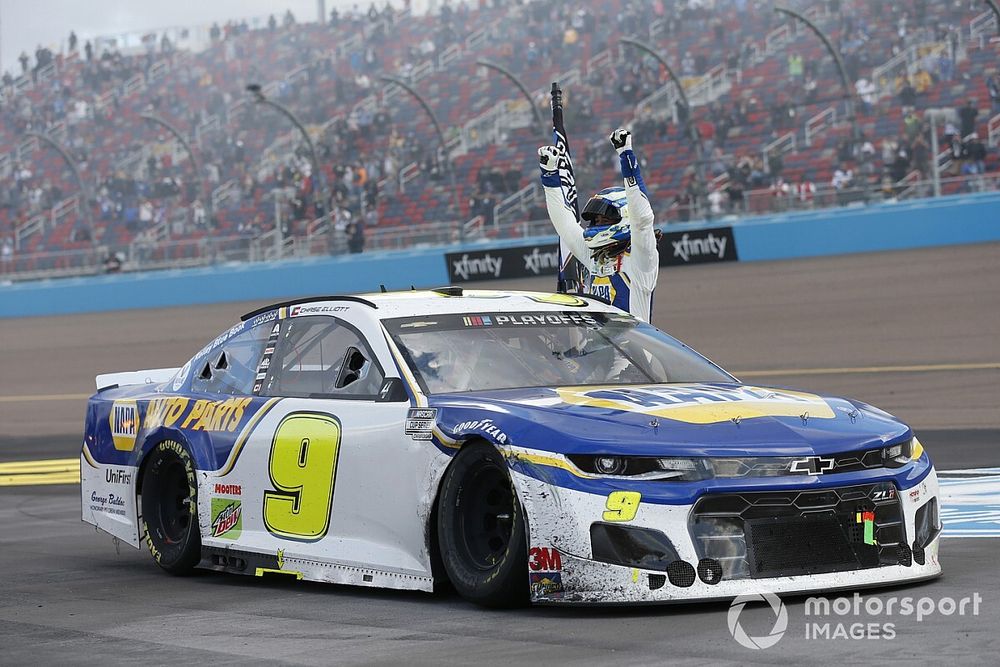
[[700, 404], [124, 421], [200, 415]]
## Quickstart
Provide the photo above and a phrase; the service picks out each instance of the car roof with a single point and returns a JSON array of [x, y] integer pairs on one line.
[[410, 303]]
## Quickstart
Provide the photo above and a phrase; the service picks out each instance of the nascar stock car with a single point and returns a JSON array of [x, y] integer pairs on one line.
[[521, 446]]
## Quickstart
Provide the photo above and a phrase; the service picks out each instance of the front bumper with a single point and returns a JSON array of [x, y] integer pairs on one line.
[[563, 568]]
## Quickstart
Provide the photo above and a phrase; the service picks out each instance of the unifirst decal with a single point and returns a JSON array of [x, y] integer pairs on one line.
[[700, 404], [124, 420], [200, 415]]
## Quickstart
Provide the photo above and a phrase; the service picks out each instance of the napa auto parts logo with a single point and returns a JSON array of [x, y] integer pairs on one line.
[[227, 518], [845, 618]]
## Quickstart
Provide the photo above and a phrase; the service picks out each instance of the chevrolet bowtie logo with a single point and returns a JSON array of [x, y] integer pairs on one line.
[[814, 465]]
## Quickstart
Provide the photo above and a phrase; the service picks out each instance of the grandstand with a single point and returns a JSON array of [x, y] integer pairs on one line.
[[764, 94]]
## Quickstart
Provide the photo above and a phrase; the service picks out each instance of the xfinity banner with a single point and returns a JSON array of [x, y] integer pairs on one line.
[[496, 263], [695, 246], [698, 246]]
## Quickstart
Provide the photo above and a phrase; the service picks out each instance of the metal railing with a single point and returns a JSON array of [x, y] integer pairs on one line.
[[819, 123]]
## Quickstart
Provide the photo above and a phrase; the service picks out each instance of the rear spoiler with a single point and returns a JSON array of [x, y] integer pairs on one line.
[[151, 376]]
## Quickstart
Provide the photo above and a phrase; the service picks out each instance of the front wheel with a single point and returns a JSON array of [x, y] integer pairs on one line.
[[170, 508], [481, 529]]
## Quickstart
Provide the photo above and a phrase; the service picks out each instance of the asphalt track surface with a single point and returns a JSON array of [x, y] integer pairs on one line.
[[914, 332]]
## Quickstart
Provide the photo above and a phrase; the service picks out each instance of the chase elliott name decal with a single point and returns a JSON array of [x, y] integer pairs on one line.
[[700, 404]]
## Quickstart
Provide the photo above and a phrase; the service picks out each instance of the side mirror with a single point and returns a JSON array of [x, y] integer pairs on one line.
[[392, 391]]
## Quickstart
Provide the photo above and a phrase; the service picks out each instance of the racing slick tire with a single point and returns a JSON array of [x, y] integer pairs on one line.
[[481, 529], [170, 508]]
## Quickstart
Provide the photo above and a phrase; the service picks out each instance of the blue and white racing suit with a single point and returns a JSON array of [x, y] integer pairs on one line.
[[630, 282]]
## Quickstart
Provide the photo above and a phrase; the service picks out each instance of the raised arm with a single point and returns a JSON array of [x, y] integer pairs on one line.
[[640, 211], [561, 214]]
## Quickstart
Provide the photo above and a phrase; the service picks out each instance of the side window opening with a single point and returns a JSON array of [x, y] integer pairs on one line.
[[322, 356]]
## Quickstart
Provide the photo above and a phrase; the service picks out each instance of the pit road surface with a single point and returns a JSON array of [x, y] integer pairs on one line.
[[914, 332]]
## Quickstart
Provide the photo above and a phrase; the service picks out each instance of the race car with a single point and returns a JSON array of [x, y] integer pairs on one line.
[[520, 446]]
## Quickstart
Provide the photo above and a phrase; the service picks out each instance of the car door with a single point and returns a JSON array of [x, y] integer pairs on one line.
[[328, 477]]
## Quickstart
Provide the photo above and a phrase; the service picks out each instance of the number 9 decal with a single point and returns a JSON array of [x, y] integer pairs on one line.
[[622, 505], [303, 466]]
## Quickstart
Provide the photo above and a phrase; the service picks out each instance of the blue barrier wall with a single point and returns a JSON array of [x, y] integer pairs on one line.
[[945, 221]]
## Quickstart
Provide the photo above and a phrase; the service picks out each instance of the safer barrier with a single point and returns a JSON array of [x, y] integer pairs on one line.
[[945, 221]]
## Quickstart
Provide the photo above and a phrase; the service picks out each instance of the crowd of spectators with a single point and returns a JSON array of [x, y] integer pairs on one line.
[[254, 170]]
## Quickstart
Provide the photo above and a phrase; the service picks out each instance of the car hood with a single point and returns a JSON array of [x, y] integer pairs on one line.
[[668, 420]]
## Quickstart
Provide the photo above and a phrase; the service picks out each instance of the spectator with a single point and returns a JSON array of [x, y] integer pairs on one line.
[[908, 96], [23, 59], [6, 255], [866, 93], [795, 66], [993, 86], [72, 41], [843, 179], [113, 263], [967, 118]]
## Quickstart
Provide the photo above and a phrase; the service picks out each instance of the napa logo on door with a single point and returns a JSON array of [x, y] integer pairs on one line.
[[124, 424]]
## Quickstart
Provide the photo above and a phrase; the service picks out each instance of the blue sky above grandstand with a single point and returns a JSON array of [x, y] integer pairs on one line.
[[24, 24]]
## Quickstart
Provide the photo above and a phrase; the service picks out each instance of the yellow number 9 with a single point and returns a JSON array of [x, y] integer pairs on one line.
[[302, 468], [622, 505]]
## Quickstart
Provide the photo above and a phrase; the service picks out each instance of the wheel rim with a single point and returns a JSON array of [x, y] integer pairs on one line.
[[486, 515], [175, 499]]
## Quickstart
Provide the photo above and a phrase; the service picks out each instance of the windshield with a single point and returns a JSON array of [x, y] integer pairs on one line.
[[451, 353]]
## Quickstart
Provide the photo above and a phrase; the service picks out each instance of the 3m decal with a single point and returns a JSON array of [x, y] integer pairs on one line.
[[227, 518], [124, 420], [544, 558], [302, 467], [622, 506], [700, 404]]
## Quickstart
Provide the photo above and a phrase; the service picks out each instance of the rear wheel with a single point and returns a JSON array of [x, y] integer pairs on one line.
[[481, 529], [170, 508]]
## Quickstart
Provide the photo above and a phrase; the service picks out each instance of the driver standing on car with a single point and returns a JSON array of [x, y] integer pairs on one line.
[[618, 247]]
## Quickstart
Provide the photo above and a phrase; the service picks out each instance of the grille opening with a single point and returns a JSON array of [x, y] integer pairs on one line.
[[656, 581], [681, 573]]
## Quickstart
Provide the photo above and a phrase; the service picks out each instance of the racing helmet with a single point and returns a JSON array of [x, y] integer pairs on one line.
[[607, 241]]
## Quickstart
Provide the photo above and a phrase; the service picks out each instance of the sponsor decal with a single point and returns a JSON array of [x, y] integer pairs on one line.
[[118, 476], [545, 583], [416, 325], [228, 489], [107, 504], [298, 311], [263, 319], [700, 404], [560, 300], [222, 338], [420, 422], [698, 246], [501, 263], [124, 420], [544, 558], [265, 360], [545, 319], [227, 518], [867, 520], [484, 426], [181, 376], [477, 321], [201, 415], [812, 465]]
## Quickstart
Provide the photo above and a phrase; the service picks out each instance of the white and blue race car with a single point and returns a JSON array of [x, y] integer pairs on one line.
[[522, 446]]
